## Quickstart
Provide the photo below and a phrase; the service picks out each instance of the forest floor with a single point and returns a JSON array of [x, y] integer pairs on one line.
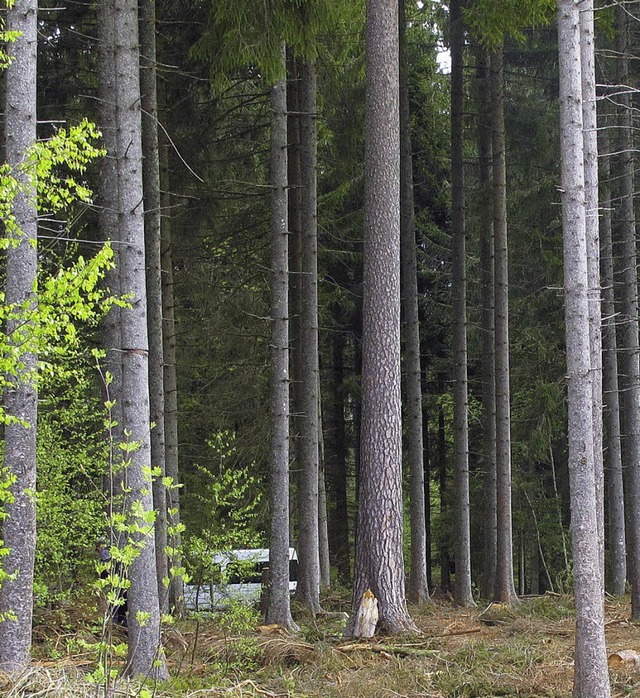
[[471, 653]]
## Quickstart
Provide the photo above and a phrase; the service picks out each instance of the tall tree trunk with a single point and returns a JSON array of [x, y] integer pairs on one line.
[[21, 397], [176, 583], [145, 653], [487, 299], [591, 676], [628, 320], [504, 590], [616, 539], [323, 513], [379, 565], [590, 138], [337, 461], [108, 224], [417, 589], [278, 603], [426, 460], [152, 210], [308, 589], [445, 561], [462, 592]]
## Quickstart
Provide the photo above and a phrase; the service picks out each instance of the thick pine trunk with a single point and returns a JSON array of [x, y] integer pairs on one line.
[[379, 565], [21, 397], [591, 672], [504, 590]]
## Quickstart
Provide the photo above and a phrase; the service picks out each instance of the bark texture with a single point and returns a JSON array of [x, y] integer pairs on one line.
[[616, 538], [591, 676], [308, 590], [278, 603], [628, 319], [21, 397], [504, 590], [417, 589], [487, 296], [379, 563], [462, 591], [592, 229], [145, 656], [152, 232], [176, 584]]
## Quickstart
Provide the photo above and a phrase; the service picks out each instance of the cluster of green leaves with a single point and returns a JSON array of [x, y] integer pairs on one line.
[[6, 38], [49, 173], [49, 329], [222, 512]]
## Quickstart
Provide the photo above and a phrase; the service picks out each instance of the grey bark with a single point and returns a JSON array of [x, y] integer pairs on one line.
[[616, 539], [336, 462], [592, 223], [323, 514], [504, 590], [108, 225], [417, 588], [145, 656], [308, 589], [445, 559], [278, 608], [487, 297], [176, 583], [379, 562], [629, 348], [152, 209], [21, 396], [591, 676], [462, 591]]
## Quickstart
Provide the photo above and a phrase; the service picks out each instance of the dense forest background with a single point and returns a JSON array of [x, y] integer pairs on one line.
[[215, 67], [215, 127]]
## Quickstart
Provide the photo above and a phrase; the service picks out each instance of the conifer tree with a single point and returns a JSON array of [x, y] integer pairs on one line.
[[379, 567], [21, 397], [591, 671]]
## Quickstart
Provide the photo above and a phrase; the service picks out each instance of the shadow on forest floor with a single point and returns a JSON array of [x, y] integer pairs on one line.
[[471, 653]]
